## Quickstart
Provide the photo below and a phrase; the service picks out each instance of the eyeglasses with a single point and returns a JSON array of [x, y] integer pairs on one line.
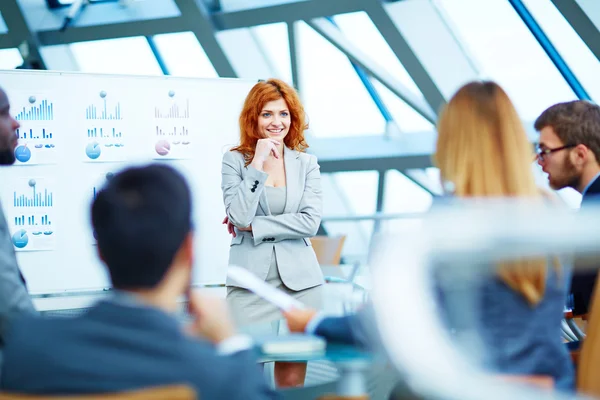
[[542, 153]]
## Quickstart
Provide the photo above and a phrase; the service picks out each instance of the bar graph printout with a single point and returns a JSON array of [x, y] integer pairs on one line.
[[171, 137], [38, 131], [104, 130], [30, 214]]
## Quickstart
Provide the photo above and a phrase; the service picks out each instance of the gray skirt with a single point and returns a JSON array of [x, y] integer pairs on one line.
[[247, 308]]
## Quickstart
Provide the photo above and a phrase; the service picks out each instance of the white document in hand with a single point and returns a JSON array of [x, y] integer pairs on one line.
[[250, 281]]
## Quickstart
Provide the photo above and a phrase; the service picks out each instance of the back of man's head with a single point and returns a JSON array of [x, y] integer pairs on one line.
[[141, 219], [574, 122]]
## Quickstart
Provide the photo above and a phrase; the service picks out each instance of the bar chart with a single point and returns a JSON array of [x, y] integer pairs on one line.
[[44, 111], [104, 112], [36, 146], [101, 133], [172, 142], [173, 111], [31, 214], [33, 198], [33, 233], [29, 134], [33, 220], [174, 132]]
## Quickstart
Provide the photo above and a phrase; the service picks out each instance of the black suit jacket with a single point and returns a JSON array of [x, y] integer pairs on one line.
[[359, 329], [117, 347], [583, 282]]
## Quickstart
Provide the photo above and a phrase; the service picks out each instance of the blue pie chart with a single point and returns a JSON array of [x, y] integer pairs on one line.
[[93, 150], [20, 239], [23, 154]]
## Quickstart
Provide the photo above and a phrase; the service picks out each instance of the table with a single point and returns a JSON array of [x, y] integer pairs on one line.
[[351, 362]]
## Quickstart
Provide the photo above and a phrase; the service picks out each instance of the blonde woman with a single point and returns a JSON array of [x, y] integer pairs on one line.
[[483, 151]]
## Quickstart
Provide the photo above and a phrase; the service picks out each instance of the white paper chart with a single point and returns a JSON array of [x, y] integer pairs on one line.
[[172, 139], [105, 139], [38, 132], [32, 215]]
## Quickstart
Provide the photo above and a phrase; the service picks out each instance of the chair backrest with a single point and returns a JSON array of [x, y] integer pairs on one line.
[[173, 392], [588, 369], [328, 249]]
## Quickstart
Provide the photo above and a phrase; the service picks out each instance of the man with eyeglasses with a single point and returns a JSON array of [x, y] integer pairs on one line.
[[569, 152]]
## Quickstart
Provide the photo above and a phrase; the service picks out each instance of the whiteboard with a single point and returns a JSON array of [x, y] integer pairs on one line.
[[77, 128]]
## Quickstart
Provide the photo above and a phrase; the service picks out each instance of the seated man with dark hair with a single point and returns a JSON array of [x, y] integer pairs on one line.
[[142, 221]]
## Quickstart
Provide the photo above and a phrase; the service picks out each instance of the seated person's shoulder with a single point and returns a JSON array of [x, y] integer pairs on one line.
[[26, 321], [202, 359]]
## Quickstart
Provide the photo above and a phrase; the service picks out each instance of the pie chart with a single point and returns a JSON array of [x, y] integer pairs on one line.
[[20, 239], [23, 154], [93, 150], [162, 147]]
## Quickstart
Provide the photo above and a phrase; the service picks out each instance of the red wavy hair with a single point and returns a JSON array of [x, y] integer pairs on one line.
[[262, 93]]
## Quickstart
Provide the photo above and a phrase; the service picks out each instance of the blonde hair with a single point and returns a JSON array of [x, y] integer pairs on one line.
[[482, 148]]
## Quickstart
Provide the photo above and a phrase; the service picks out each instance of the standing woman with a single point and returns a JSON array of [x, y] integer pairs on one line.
[[273, 201]]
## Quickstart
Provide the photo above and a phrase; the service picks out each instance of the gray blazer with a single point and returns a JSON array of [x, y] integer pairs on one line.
[[246, 204], [14, 298]]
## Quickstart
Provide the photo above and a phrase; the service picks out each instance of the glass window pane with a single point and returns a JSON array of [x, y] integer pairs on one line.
[[361, 31], [116, 56], [3, 27], [592, 9], [10, 58], [402, 195], [578, 56], [348, 194], [235, 5], [273, 41], [184, 56], [406, 117], [336, 101], [358, 239], [508, 53]]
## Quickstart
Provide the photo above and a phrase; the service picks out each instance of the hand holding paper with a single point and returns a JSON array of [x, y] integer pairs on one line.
[[250, 281]]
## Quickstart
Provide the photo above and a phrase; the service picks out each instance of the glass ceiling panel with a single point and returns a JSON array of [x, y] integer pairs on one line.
[[131, 56], [592, 9], [508, 53], [361, 31], [184, 56], [336, 101], [40, 17], [233, 5], [402, 195], [10, 58], [273, 41], [3, 27], [578, 56], [347, 194], [406, 117]]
